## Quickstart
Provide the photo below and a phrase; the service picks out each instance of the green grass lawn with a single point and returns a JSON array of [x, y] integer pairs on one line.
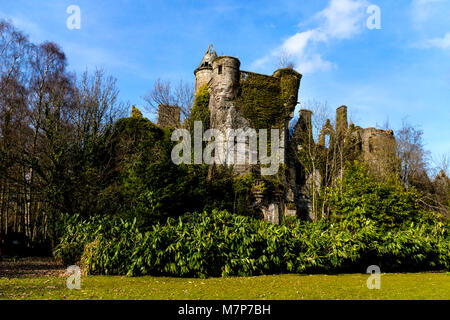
[[282, 287]]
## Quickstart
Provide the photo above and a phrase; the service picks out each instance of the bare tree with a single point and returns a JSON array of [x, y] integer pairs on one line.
[[412, 154], [54, 132], [95, 105], [441, 163], [285, 60], [165, 94], [323, 153], [14, 48], [310, 152]]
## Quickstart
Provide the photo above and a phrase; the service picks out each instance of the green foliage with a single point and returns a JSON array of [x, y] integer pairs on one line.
[[150, 185], [289, 84], [260, 101], [222, 244], [247, 187], [268, 100], [136, 113], [216, 191], [151, 188], [200, 110], [388, 203], [76, 233], [244, 194]]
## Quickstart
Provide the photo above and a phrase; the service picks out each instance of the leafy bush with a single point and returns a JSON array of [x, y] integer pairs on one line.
[[388, 203], [76, 233], [222, 244]]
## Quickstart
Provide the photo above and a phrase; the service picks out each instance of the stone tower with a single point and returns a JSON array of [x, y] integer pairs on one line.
[[224, 89], [379, 151], [247, 102], [204, 71]]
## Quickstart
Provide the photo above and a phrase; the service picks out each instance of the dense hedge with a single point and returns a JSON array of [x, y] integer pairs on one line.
[[222, 244]]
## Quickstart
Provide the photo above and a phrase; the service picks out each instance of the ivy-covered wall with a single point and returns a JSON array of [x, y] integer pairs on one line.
[[260, 101], [267, 101], [200, 110]]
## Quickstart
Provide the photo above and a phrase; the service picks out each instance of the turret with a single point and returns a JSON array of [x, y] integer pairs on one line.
[[224, 88], [226, 77], [203, 73]]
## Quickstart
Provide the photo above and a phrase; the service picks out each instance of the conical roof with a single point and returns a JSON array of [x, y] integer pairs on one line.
[[209, 57]]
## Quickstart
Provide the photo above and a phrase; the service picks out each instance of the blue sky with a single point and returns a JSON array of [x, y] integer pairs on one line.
[[401, 71]]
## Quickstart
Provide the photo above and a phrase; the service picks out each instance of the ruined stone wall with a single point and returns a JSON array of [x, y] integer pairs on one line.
[[341, 122], [377, 148], [378, 151], [303, 129], [169, 116], [246, 100]]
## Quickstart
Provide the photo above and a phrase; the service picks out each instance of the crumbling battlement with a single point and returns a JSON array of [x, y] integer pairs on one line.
[[370, 142], [374, 146], [375, 140], [379, 151]]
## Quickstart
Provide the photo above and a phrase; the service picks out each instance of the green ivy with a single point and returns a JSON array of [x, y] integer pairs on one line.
[[200, 110], [260, 101]]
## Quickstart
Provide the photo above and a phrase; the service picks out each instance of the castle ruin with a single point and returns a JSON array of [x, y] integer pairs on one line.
[[242, 100]]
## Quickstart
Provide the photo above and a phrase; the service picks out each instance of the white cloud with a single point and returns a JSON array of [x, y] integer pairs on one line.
[[297, 44], [442, 43], [315, 63], [341, 19], [431, 15]]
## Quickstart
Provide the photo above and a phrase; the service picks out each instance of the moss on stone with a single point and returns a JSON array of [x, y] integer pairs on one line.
[[200, 110], [266, 101], [260, 101]]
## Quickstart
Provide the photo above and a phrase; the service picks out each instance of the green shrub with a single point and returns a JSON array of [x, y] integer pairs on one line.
[[223, 244], [76, 233], [387, 203]]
